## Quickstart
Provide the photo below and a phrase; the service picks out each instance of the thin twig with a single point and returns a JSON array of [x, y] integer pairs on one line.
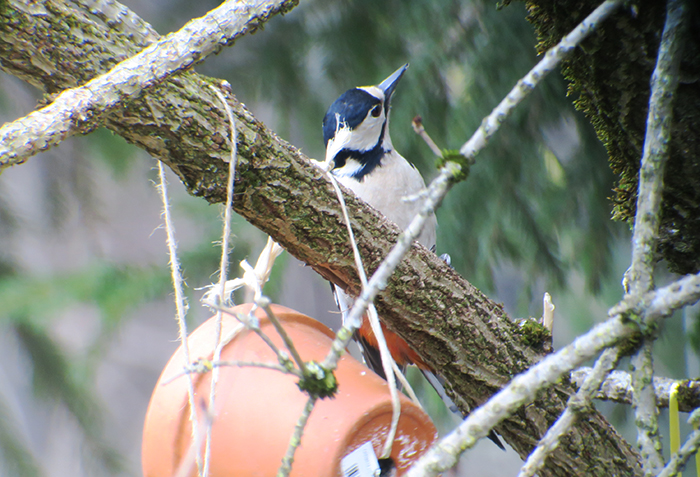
[[265, 305], [205, 366], [417, 124], [257, 364], [658, 134], [577, 405], [618, 388], [198, 367], [295, 440], [679, 459], [223, 271], [251, 323], [180, 303]]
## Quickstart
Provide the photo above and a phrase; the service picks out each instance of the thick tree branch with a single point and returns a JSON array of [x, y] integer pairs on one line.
[[465, 336]]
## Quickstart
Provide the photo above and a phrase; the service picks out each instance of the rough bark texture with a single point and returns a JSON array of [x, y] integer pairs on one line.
[[610, 74], [455, 328]]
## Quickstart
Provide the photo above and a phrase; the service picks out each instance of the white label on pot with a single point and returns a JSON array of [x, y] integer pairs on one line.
[[361, 462]]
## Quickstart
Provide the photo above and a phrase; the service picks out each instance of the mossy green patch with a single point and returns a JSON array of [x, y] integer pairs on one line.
[[318, 381], [456, 163], [533, 333]]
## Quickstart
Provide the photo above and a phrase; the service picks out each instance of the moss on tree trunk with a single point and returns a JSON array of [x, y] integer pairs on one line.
[[609, 77]]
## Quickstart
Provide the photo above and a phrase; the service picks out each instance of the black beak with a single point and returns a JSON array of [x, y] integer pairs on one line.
[[389, 84]]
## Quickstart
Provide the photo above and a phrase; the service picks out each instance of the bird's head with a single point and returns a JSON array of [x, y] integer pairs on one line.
[[356, 128]]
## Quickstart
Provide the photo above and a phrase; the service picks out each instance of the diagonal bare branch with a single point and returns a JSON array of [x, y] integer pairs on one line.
[[525, 387], [79, 110], [679, 459], [658, 136], [578, 404]]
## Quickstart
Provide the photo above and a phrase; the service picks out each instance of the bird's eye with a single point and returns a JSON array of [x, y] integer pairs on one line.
[[377, 111]]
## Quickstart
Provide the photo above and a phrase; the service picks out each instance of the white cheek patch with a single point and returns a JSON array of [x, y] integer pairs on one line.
[[340, 139], [343, 139], [367, 134]]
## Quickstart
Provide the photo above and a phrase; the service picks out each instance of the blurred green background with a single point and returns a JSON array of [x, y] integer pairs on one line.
[[85, 300]]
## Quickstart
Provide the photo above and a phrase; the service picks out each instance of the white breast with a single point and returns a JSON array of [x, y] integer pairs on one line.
[[384, 189]]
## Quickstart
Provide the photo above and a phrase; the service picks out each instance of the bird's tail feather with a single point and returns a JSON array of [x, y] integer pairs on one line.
[[373, 361]]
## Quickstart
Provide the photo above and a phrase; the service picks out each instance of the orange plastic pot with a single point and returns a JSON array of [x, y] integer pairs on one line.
[[256, 408]]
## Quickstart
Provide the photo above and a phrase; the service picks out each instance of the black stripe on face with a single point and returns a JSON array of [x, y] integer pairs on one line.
[[370, 159]]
